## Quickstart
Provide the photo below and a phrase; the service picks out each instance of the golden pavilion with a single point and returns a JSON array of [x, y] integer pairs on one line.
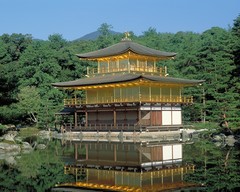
[[127, 91]]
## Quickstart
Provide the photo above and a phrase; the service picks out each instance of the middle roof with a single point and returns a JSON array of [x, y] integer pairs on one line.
[[121, 78]]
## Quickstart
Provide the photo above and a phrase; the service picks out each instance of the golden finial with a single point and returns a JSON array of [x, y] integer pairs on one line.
[[127, 35]]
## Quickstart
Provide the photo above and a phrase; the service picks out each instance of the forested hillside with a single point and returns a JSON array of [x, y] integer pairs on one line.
[[28, 67]]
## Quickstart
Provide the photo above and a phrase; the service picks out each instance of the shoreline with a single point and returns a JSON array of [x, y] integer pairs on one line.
[[121, 136]]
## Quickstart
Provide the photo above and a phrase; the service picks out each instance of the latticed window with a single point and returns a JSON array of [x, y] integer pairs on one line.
[[123, 65], [133, 64], [103, 67], [113, 66]]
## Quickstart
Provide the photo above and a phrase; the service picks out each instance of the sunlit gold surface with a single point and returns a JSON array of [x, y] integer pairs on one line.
[[133, 181], [109, 100], [135, 91], [161, 71]]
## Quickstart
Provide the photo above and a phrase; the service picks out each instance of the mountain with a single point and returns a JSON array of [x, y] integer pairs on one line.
[[94, 35]]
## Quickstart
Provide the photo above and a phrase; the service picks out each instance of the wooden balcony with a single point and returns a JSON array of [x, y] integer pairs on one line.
[[132, 99], [161, 71]]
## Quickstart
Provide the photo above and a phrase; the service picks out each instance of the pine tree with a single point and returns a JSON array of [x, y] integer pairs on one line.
[[215, 65]]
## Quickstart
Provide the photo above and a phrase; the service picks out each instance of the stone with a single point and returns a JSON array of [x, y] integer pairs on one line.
[[41, 146], [10, 160], [10, 136], [26, 147], [6, 147], [44, 134]]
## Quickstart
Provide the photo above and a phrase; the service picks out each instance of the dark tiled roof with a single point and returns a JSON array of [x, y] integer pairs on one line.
[[98, 80], [172, 80], [123, 47], [66, 110], [107, 79]]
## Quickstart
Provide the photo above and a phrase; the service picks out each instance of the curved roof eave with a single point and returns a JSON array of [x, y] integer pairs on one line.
[[98, 80], [108, 79], [124, 47]]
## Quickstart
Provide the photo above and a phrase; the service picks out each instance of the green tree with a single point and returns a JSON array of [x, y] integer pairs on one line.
[[186, 44], [236, 77], [105, 38], [215, 65], [11, 49], [105, 29], [29, 103]]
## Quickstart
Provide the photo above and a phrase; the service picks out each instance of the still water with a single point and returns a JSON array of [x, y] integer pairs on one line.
[[156, 165], [151, 165]]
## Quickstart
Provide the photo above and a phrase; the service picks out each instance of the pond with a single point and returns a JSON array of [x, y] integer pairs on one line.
[[125, 165]]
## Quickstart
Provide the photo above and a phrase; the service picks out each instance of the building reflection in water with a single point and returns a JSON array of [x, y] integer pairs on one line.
[[128, 166]]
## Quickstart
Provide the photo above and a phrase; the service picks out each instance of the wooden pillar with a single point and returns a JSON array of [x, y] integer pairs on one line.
[[151, 115], [76, 151], [114, 117], [139, 116], [97, 120], [118, 68], [151, 178], [140, 155], [98, 67], [162, 177], [154, 66], [129, 68], [86, 119], [75, 120], [115, 152], [86, 146], [125, 116], [150, 93]]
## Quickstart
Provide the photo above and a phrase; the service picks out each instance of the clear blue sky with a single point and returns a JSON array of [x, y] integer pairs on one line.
[[75, 18]]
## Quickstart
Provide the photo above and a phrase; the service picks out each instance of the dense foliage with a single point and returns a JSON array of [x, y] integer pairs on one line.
[[36, 171], [29, 66], [216, 166]]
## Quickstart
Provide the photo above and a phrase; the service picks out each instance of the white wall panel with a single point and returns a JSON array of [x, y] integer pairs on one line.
[[176, 117], [167, 152], [177, 151], [166, 118]]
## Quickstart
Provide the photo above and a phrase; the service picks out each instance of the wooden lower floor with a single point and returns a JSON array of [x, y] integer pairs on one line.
[[128, 117]]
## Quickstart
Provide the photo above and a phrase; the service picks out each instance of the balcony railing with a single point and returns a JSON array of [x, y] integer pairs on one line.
[[161, 71], [145, 99], [142, 125]]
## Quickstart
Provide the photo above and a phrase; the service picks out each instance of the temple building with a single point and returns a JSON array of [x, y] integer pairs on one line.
[[126, 91]]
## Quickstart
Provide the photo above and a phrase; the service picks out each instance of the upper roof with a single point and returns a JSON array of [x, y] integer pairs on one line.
[[120, 78], [125, 46]]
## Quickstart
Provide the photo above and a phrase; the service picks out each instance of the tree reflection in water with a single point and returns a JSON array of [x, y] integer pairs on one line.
[[125, 166], [216, 167], [38, 170]]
